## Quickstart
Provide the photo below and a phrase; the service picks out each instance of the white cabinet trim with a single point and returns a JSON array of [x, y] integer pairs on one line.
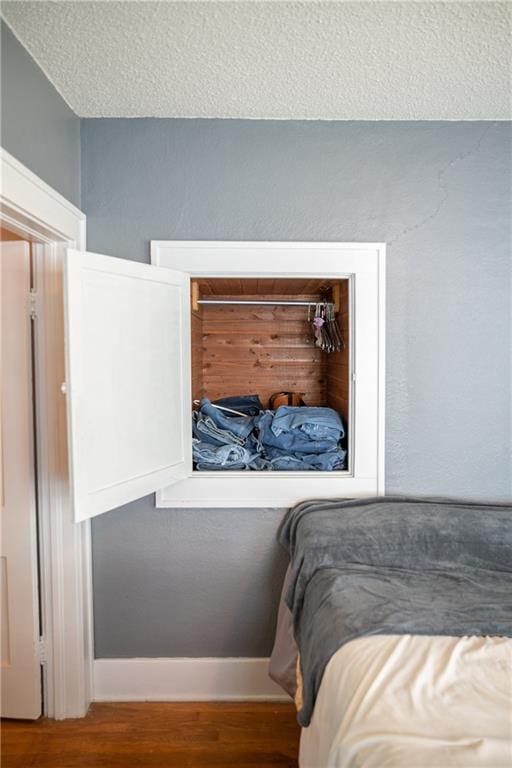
[[364, 265]]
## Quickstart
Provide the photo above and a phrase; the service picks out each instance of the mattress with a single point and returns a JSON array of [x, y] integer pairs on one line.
[[412, 701]]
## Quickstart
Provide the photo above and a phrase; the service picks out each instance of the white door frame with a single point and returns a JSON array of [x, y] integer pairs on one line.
[[31, 208]]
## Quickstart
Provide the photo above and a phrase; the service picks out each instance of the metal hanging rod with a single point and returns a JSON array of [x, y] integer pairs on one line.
[[264, 303]]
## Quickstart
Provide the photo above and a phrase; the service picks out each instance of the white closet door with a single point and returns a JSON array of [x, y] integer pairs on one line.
[[128, 379]]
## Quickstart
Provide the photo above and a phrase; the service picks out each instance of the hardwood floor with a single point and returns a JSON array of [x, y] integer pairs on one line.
[[157, 735]]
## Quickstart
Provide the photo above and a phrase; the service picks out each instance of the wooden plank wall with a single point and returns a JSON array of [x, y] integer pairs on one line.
[[262, 350], [337, 368], [245, 287]]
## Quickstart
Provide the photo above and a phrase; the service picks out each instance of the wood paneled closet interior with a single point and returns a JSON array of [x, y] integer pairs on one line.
[[264, 348]]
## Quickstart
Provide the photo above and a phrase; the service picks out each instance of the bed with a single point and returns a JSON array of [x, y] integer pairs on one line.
[[394, 632]]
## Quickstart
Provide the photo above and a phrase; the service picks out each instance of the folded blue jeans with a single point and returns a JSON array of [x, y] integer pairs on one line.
[[291, 438], [211, 457], [294, 441], [317, 422], [319, 462], [205, 429], [250, 405], [241, 426]]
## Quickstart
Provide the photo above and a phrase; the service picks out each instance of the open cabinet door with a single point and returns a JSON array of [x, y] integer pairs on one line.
[[127, 379]]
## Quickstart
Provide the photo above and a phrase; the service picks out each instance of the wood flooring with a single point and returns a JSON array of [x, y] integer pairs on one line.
[[158, 735]]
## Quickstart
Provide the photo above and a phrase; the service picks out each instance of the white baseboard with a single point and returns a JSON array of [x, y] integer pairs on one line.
[[184, 679]]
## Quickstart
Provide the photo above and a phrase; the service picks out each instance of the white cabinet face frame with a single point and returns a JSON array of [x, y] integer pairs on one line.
[[364, 265]]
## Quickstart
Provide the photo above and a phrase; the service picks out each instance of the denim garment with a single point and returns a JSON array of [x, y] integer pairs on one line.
[[294, 441], [319, 462], [205, 429], [224, 455], [292, 438], [240, 426], [209, 457], [201, 467], [247, 404], [317, 423]]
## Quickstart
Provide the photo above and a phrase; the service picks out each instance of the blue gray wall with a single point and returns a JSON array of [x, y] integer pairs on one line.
[[37, 126], [205, 582]]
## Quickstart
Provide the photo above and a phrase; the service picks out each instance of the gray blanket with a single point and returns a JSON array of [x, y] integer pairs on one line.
[[394, 566]]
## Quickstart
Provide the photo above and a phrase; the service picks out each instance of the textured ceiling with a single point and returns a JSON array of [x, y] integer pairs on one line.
[[289, 60]]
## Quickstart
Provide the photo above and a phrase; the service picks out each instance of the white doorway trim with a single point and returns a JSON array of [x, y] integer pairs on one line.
[[34, 210]]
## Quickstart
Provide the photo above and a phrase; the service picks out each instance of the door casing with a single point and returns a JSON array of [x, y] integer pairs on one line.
[[32, 209]]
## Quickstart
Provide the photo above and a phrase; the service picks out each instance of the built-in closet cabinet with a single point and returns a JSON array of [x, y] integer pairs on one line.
[[144, 342]]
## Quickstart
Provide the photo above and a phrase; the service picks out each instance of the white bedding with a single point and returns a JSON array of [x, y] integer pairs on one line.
[[413, 701]]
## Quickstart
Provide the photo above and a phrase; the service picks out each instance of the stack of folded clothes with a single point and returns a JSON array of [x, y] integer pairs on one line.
[[222, 440], [302, 438], [291, 438]]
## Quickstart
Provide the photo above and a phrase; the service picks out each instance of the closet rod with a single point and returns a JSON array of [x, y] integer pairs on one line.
[[264, 303]]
